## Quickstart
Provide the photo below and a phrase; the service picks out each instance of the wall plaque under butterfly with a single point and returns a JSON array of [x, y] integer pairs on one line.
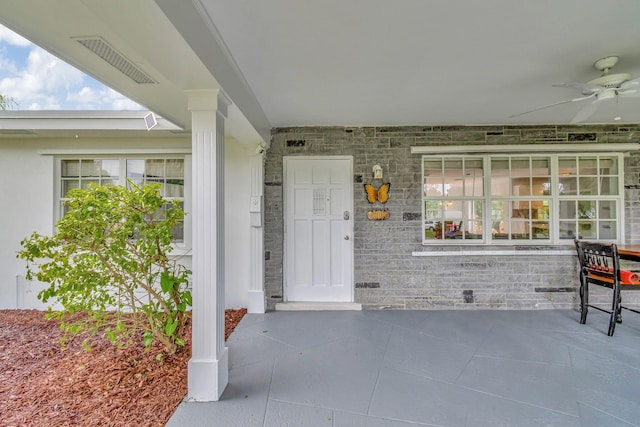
[[377, 193]]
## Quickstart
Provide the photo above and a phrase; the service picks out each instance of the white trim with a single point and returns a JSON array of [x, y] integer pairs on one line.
[[285, 160], [555, 198], [494, 252], [525, 148], [111, 151], [318, 306]]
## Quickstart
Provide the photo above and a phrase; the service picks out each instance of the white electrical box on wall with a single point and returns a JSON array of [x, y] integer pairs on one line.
[[255, 204]]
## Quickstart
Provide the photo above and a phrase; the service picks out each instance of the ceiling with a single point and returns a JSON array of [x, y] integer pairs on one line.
[[350, 63]]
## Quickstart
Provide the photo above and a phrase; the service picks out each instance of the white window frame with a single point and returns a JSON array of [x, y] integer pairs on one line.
[[554, 197], [179, 247]]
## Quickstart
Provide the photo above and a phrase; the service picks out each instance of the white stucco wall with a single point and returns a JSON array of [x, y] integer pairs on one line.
[[237, 197], [26, 195], [27, 200]]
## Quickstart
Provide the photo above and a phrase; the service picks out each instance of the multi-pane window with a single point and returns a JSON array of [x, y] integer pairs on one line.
[[537, 198], [168, 172], [589, 191]]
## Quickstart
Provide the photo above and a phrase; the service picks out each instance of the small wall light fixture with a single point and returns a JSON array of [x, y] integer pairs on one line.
[[377, 172]]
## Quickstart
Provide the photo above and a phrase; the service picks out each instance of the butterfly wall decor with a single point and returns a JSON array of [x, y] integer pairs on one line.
[[380, 194]]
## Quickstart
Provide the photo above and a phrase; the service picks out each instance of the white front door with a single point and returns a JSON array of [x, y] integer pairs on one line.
[[318, 218]]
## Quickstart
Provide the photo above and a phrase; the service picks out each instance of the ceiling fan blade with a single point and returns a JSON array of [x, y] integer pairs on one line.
[[629, 93], [553, 105], [585, 88], [586, 112], [631, 84]]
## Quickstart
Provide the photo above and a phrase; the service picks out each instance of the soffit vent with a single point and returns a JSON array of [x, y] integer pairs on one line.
[[104, 50]]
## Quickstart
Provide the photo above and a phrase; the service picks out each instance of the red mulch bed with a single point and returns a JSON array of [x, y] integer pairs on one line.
[[44, 384]]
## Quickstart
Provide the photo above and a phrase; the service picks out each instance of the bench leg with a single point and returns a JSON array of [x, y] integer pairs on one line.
[[584, 299], [615, 310]]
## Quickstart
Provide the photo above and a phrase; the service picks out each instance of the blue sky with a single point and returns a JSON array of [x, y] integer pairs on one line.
[[36, 80]]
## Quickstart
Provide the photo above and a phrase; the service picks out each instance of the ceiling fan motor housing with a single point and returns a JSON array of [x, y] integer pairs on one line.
[[611, 80]]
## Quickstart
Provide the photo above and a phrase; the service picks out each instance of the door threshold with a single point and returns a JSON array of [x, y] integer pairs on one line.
[[317, 306]]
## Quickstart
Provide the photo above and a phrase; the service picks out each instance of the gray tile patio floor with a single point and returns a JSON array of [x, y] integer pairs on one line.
[[432, 368]]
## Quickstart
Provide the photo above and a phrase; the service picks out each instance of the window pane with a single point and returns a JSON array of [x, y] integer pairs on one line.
[[567, 166], [174, 188], [607, 209], [607, 230], [588, 166], [473, 230], [520, 209], [433, 186], [567, 209], [433, 178], [541, 166], [499, 185], [586, 209], [521, 186], [588, 186], [587, 230], [473, 186], [499, 219], [540, 230], [90, 168], [609, 186], [500, 177], [567, 230], [154, 168], [520, 167], [111, 168], [608, 166], [453, 175], [568, 186], [540, 209], [69, 185], [541, 186], [175, 168], [135, 169], [520, 230], [70, 168]]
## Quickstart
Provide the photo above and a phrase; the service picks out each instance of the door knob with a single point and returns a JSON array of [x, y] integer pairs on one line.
[[345, 215], [346, 237]]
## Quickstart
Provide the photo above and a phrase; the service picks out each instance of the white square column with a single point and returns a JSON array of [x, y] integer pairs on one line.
[[208, 370]]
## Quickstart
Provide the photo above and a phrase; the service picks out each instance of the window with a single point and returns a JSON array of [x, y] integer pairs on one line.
[[521, 199], [166, 171]]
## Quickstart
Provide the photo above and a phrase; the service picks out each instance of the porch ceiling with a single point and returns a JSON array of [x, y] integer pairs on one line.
[[361, 62]]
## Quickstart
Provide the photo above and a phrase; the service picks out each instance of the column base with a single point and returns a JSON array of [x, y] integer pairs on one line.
[[207, 379], [256, 302]]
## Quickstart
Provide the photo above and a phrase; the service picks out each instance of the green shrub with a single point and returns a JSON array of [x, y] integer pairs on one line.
[[109, 258]]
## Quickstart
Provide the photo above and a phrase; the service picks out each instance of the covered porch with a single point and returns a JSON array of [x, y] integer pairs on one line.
[[436, 368]]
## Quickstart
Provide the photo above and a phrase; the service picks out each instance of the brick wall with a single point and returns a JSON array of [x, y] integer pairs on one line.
[[385, 272]]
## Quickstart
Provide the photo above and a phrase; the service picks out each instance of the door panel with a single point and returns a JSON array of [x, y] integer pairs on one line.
[[318, 243]]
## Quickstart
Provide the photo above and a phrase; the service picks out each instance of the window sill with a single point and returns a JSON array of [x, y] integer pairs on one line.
[[439, 252]]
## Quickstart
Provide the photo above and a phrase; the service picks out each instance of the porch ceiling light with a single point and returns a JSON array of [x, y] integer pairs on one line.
[[100, 47]]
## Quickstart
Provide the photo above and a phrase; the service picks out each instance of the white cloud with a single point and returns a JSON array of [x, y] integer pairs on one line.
[[45, 82], [8, 36]]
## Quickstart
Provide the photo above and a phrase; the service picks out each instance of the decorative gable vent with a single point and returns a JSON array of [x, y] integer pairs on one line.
[[104, 50]]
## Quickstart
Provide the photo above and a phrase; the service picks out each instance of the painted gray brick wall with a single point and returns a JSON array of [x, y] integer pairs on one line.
[[385, 273]]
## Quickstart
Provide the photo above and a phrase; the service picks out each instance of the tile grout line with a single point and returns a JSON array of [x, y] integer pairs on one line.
[[266, 406], [475, 354], [375, 386], [604, 412]]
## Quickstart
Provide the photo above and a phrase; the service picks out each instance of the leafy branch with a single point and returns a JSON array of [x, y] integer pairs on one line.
[[109, 257]]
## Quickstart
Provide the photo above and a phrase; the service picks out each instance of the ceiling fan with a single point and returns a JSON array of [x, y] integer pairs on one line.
[[607, 86]]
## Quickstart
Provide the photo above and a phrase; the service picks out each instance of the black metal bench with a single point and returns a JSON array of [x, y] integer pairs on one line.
[[600, 265]]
